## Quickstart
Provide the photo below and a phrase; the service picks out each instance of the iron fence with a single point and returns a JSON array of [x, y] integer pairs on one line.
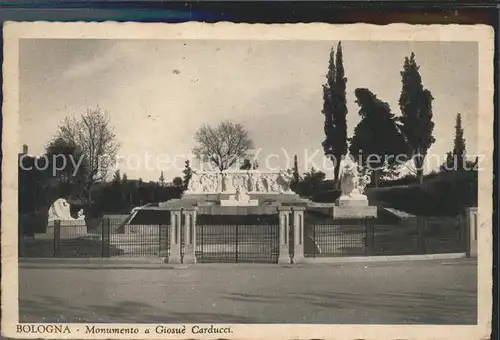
[[70, 239], [255, 239], [142, 241], [368, 238]]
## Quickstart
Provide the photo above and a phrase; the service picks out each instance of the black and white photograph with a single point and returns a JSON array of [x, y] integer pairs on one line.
[[247, 181]]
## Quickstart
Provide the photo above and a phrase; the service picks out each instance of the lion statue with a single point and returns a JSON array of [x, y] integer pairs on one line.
[[60, 210]]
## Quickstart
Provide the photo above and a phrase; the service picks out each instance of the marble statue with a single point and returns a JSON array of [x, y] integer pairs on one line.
[[352, 184], [224, 182], [241, 196], [284, 180], [352, 203], [60, 210]]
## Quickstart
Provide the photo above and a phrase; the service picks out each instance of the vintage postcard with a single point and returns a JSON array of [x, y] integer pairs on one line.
[[237, 181]]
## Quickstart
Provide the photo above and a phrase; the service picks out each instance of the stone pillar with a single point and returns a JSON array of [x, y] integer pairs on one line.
[[175, 237], [284, 218], [298, 232], [472, 232], [189, 230]]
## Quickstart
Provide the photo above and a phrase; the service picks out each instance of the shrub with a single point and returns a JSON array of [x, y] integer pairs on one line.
[[446, 194], [327, 196]]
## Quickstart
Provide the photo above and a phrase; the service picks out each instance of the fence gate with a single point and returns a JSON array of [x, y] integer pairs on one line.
[[238, 238]]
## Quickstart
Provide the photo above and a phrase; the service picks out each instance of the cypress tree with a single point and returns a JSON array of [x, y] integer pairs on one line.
[[459, 148], [456, 160], [335, 110], [415, 103], [161, 180], [187, 174], [295, 174]]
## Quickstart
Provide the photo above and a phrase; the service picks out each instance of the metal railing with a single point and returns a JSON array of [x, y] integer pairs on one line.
[[367, 238], [256, 239], [71, 239]]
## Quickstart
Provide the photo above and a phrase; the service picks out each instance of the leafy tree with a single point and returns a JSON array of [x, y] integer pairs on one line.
[[249, 165], [94, 135], [223, 145], [66, 166], [457, 158], [36, 191], [117, 179], [377, 143], [141, 192], [177, 181], [188, 172], [335, 111], [312, 183], [415, 103], [117, 191]]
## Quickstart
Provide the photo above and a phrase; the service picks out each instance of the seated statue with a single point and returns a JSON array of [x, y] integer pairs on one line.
[[352, 184]]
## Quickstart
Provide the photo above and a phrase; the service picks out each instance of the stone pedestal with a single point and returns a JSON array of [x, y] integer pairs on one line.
[[239, 200], [354, 207], [175, 238], [354, 212], [352, 201], [298, 230], [284, 250], [189, 230]]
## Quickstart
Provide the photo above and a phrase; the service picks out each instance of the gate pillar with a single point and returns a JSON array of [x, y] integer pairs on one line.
[[472, 232], [298, 232], [284, 250], [189, 230], [175, 237]]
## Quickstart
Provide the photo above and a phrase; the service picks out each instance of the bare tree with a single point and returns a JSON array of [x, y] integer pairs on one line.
[[222, 146], [95, 137]]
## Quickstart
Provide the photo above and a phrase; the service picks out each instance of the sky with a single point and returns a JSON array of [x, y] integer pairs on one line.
[[157, 93]]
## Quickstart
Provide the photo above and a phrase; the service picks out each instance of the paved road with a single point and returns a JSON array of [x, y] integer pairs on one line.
[[420, 292]]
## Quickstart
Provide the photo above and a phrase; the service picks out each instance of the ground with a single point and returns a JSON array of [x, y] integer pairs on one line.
[[428, 292]]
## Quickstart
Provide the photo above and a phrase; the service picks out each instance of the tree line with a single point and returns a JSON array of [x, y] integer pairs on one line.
[[77, 165], [383, 142]]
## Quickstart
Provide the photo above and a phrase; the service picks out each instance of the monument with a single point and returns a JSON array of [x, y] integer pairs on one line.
[[235, 195], [60, 210], [352, 202], [239, 187]]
